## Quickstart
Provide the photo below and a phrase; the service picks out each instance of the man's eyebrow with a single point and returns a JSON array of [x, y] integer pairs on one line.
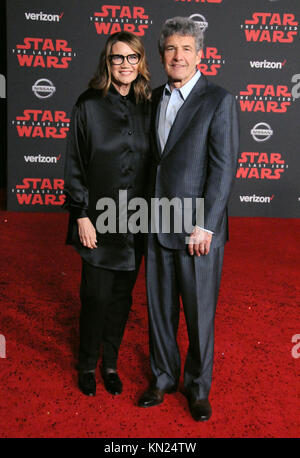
[[183, 46]]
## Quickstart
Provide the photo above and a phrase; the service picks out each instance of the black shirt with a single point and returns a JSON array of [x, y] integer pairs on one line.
[[107, 151]]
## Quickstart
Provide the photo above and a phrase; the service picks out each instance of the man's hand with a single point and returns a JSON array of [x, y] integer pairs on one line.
[[87, 233], [199, 243]]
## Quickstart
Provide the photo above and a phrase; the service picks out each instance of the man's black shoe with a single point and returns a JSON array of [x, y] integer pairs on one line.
[[200, 409], [87, 383], [153, 397]]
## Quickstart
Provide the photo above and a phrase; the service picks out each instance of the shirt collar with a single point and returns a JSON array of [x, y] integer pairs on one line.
[[185, 90], [130, 95]]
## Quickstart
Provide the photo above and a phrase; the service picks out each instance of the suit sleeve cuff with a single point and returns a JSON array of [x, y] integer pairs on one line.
[[206, 230]]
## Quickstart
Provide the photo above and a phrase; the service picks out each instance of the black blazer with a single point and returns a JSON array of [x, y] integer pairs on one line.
[[199, 158]]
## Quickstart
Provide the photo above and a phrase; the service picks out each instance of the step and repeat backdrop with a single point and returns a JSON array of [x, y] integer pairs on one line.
[[252, 49]]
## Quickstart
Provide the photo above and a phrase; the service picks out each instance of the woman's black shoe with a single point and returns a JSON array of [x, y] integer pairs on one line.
[[87, 383], [112, 382]]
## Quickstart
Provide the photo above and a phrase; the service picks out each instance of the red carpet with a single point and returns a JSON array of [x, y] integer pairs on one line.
[[254, 385]]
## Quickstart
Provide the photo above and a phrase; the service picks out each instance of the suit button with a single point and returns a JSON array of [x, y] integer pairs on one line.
[[127, 171], [130, 132]]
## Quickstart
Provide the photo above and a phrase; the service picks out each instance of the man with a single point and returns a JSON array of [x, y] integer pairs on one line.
[[194, 148]]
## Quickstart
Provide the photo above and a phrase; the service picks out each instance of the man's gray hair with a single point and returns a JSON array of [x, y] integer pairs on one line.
[[181, 26]]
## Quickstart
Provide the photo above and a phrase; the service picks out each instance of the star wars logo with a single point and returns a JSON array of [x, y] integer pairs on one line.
[[44, 52], [116, 18], [266, 98], [211, 61], [40, 191], [271, 27], [42, 124], [260, 166]]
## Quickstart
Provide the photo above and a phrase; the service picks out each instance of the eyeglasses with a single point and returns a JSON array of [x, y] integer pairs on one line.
[[118, 59]]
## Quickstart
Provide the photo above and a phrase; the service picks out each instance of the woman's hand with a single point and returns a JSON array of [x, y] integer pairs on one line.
[[87, 233]]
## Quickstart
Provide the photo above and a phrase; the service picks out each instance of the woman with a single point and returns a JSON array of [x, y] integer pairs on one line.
[[107, 152]]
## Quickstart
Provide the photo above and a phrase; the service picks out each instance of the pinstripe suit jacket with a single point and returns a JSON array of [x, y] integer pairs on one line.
[[199, 158]]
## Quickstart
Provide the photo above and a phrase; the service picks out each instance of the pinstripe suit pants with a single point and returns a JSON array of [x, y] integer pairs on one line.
[[172, 274]]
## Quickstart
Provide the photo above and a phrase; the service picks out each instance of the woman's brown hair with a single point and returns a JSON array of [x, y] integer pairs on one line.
[[102, 78]]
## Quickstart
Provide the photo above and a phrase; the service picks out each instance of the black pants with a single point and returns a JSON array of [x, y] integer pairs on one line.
[[105, 304]]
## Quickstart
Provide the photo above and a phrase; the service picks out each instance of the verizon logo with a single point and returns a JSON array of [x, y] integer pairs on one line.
[[267, 64], [43, 159], [257, 199], [43, 17]]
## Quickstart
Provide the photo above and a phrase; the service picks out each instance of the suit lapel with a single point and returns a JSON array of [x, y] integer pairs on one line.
[[156, 100], [185, 114]]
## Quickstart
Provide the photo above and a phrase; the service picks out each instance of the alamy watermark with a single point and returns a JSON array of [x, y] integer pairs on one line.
[[296, 87], [163, 215], [2, 86], [296, 348], [2, 346]]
